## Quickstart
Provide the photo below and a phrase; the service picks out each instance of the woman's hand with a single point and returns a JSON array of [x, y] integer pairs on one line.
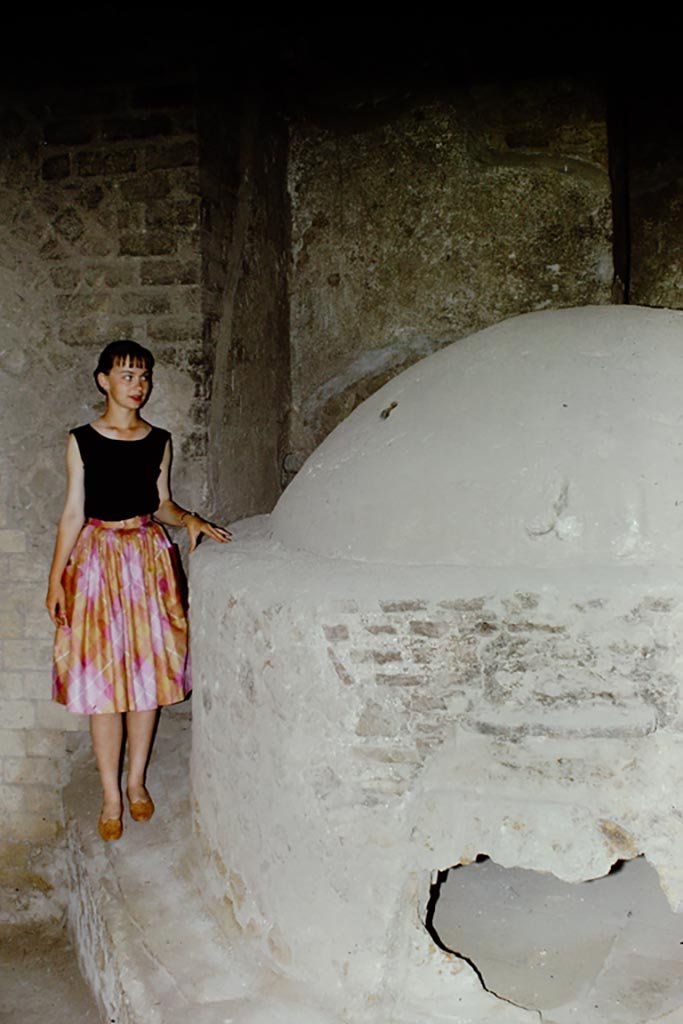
[[196, 526], [55, 603]]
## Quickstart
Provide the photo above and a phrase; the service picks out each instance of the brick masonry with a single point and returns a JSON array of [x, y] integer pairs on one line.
[[121, 194], [506, 669]]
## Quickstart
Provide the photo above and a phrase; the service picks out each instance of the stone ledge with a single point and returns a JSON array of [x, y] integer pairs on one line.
[[151, 952]]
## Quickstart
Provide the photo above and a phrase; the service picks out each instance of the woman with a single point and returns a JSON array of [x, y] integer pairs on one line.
[[114, 589]]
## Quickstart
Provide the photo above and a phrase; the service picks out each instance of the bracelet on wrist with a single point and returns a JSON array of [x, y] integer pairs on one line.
[[184, 516]]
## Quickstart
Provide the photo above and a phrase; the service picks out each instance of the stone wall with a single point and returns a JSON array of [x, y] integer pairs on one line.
[[415, 223], [99, 208]]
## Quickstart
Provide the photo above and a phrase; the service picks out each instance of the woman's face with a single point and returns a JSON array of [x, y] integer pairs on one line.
[[126, 386]]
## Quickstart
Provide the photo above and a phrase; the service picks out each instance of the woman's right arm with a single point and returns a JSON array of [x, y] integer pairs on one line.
[[70, 525]]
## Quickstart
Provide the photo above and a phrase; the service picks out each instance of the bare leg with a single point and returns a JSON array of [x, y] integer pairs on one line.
[[107, 732], [140, 725]]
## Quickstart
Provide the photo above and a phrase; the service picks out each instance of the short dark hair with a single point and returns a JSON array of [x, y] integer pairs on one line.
[[124, 351]]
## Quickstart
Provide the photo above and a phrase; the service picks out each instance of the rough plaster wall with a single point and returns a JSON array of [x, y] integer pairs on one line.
[[99, 214], [413, 226], [245, 258]]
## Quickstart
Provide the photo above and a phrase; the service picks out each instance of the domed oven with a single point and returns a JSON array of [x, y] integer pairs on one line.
[[458, 634]]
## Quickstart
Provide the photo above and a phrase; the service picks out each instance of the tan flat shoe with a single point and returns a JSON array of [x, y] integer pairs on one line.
[[141, 810], [110, 829]]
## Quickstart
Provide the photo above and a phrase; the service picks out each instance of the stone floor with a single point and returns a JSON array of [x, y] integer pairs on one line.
[[40, 982]]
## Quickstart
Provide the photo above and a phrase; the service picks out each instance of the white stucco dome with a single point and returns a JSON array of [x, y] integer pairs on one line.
[[550, 439]]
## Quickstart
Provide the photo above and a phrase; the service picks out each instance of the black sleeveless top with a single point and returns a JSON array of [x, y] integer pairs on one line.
[[120, 476]]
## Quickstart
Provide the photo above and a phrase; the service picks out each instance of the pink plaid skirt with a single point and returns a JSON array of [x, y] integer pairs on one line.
[[124, 647]]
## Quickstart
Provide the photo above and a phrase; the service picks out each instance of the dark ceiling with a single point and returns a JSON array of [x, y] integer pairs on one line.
[[67, 44]]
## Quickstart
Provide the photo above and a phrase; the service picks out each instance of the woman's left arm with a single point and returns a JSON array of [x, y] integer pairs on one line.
[[173, 515]]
